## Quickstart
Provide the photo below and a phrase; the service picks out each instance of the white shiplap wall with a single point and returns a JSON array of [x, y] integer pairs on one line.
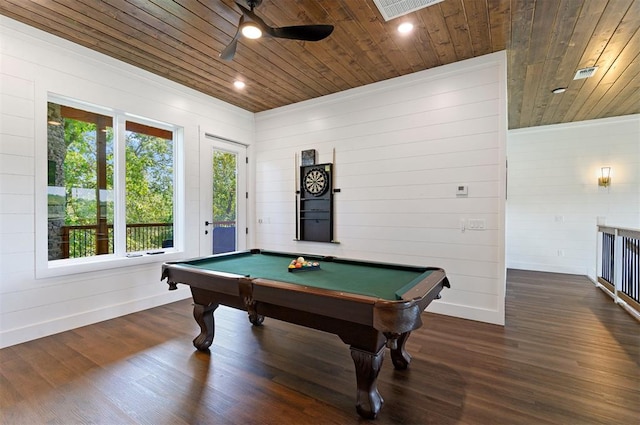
[[32, 64], [554, 201], [402, 146]]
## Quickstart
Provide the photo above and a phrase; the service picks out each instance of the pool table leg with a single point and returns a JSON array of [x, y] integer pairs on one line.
[[255, 318], [399, 355], [246, 291], [204, 317], [368, 401]]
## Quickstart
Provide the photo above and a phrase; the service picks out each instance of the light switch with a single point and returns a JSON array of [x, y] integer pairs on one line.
[[476, 224]]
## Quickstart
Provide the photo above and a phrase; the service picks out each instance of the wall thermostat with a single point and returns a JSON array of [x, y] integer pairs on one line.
[[462, 190]]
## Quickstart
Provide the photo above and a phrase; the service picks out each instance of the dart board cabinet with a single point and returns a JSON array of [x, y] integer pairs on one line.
[[316, 203]]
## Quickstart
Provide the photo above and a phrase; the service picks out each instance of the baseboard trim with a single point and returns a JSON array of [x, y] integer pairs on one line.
[[39, 330], [465, 312]]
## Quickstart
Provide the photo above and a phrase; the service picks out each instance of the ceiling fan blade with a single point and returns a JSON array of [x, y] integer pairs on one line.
[[229, 52], [302, 32], [296, 32]]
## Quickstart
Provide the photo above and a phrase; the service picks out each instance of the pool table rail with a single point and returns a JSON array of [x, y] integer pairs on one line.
[[389, 316], [176, 273]]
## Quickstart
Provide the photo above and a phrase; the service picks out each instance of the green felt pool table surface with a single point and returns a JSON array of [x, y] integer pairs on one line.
[[383, 281]]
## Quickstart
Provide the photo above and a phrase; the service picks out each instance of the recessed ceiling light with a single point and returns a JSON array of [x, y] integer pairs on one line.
[[559, 90], [239, 84], [405, 27]]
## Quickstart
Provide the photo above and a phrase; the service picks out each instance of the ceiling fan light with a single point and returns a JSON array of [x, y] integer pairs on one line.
[[251, 30]]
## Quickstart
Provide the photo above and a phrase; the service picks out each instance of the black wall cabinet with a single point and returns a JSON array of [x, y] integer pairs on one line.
[[316, 203]]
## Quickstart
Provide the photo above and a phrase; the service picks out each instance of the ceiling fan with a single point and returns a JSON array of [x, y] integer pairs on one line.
[[252, 26]]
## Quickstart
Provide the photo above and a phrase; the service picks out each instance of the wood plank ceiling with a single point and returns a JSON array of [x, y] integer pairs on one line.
[[547, 41]]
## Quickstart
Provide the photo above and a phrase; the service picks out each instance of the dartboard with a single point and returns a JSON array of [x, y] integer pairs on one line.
[[316, 181]]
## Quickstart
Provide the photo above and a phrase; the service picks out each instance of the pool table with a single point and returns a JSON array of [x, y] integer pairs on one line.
[[368, 305]]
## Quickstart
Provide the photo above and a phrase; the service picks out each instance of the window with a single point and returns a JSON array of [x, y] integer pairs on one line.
[[110, 182], [149, 187]]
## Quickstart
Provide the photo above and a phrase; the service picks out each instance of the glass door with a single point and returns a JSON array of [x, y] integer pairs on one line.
[[223, 196]]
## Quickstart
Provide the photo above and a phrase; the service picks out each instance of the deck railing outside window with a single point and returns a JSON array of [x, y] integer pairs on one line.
[[619, 266], [80, 241]]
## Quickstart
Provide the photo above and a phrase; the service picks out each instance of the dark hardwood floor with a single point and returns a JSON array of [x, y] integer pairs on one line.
[[567, 355]]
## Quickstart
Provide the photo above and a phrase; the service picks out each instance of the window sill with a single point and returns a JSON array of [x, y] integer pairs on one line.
[[84, 265]]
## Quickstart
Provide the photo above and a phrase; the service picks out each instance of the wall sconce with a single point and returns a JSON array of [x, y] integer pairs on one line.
[[605, 179]]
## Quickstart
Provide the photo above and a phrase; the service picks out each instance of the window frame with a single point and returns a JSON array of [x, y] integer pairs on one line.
[[119, 258]]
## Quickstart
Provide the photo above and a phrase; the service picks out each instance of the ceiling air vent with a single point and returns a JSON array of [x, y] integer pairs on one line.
[[394, 8], [585, 73]]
